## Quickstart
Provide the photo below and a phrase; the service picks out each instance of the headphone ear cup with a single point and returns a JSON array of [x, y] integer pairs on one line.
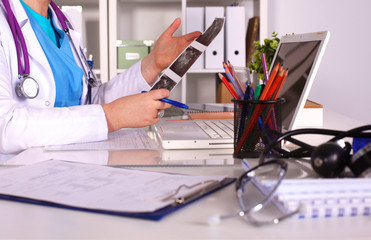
[[329, 159]]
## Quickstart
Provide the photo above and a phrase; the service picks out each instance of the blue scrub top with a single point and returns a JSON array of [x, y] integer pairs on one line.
[[67, 74]]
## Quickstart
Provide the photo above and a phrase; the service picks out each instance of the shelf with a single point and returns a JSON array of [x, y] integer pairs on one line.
[[147, 19], [128, 20]]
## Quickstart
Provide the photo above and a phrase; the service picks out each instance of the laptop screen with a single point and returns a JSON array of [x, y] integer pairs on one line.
[[299, 59], [301, 55]]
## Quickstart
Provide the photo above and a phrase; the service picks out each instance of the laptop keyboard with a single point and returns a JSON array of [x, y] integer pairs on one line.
[[222, 128]]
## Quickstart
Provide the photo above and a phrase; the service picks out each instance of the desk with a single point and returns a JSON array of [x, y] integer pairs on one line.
[[26, 221]]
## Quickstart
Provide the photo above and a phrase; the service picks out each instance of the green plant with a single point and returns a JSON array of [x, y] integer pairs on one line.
[[269, 47]]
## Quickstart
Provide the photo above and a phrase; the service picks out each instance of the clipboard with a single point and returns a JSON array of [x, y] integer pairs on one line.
[[155, 215], [177, 203]]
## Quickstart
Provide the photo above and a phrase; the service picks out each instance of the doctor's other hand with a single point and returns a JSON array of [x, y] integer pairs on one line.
[[166, 49], [135, 111]]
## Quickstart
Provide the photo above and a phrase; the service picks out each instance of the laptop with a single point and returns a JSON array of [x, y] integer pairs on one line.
[[301, 53]]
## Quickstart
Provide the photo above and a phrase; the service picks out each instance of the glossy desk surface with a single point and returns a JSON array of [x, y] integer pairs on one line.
[[27, 221]]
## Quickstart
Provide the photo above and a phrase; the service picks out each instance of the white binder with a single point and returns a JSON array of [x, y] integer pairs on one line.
[[235, 31], [214, 54], [195, 21]]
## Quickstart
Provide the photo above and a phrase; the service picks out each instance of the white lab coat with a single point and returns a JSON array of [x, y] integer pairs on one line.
[[35, 122]]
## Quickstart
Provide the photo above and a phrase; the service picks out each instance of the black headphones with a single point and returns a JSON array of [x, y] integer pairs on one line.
[[329, 159]]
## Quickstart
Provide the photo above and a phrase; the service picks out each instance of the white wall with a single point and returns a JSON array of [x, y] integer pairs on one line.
[[343, 82]]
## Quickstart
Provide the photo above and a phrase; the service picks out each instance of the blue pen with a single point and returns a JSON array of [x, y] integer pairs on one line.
[[261, 128], [245, 106], [172, 102]]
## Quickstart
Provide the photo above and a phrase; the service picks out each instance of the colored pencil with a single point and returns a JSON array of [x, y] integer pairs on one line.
[[263, 95], [274, 72], [229, 87], [278, 90], [274, 85], [234, 74], [232, 80], [265, 67]]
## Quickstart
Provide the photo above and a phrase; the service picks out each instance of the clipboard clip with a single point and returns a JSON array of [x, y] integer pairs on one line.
[[210, 185]]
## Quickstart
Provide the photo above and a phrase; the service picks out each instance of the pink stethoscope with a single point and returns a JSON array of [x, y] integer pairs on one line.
[[28, 86]]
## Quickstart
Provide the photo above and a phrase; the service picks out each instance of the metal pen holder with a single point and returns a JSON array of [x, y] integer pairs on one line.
[[252, 119]]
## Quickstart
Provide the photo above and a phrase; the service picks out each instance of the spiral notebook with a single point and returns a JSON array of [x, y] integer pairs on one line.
[[336, 197]]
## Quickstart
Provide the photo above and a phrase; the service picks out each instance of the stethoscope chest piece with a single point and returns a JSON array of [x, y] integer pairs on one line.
[[27, 87]]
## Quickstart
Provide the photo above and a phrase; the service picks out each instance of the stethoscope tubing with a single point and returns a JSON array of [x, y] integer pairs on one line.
[[19, 40], [61, 17], [355, 132]]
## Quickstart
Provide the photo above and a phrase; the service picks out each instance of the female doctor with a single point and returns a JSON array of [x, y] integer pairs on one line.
[[58, 113]]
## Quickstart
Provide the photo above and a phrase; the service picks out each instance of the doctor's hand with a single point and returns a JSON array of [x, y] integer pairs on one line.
[[135, 111], [166, 49]]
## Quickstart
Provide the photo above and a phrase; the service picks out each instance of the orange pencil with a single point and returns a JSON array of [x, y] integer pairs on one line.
[[274, 72], [263, 96], [229, 87], [275, 85], [281, 84]]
